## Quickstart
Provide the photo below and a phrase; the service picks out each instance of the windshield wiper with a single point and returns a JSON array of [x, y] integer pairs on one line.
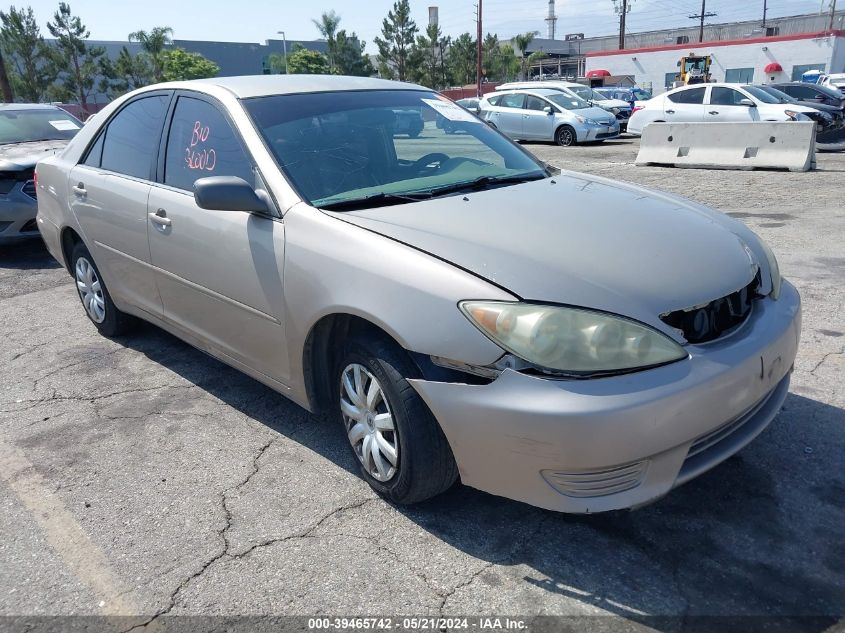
[[484, 182], [380, 199]]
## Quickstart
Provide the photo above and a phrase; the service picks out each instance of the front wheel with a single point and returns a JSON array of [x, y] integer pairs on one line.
[[565, 136], [398, 444]]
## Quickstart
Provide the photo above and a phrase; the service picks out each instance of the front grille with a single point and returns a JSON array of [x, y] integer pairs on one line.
[[623, 115], [597, 483], [8, 180], [29, 189], [709, 322], [30, 226]]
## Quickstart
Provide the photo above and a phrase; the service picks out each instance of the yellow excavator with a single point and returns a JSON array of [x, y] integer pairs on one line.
[[693, 69]]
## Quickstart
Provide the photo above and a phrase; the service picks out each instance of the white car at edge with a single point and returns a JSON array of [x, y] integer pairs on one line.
[[716, 103]]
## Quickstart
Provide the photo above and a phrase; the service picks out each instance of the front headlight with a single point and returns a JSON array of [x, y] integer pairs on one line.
[[774, 269], [572, 341]]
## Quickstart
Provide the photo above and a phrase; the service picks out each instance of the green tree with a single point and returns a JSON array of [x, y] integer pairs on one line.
[[428, 61], [349, 56], [5, 84], [21, 41], [521, 43], [395, 46], [154, 45], [126, 73], [180, 65], [462, 59], [327, 26], [77, 65], [489, 54], [276, 62], [307, 62], [505, 63]]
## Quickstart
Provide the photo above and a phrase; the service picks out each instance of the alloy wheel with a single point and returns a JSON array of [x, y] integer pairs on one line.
[[90, 290], [369, 422]]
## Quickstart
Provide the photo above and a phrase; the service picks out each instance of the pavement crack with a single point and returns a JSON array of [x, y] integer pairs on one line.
[[54, 397], [824, 359]]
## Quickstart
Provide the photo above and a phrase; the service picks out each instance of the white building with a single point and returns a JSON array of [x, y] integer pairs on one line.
[[750, 60]]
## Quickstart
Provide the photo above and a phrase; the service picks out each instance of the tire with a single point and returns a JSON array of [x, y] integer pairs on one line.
[[565, 136], [94, 295], [424, 464]]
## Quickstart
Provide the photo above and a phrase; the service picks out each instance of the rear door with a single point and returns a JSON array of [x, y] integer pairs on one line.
[[685, 106], [537, 124], [219, 272], [109, 189], [724, 106], [508, 114]]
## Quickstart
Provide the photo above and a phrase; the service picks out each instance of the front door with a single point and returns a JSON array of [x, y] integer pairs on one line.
[[108, 195], [219, 272], [725, 107], [537, 124]]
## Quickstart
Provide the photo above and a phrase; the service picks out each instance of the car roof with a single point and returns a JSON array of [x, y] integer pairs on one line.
[[248, 86], [7, 107]]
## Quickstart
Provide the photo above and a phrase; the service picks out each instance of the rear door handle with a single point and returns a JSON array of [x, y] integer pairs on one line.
[[160, 218], [670, 112], [79, 189], [714, 112]]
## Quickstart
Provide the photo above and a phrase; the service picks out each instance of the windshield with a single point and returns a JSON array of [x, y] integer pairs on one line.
[[781, 97], [586, 92], [641, 95], [22, 126], [337, 147], [569, 102], [762, 95]]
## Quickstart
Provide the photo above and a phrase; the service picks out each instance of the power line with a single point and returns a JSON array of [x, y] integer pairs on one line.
[[701, 16]]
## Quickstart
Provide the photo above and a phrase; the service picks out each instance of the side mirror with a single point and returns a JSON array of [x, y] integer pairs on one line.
[[548, 110], [748, 103], [228, 193]]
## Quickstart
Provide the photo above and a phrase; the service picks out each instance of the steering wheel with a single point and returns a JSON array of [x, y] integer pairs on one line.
[[426, 161]]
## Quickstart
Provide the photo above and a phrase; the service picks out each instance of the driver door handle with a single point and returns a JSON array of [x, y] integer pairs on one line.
[[79, 189], [714, 112], [670, 112], [160, 218]]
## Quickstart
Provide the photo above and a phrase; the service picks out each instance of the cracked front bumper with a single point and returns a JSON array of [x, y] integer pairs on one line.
[[17, 215], [620, 442]]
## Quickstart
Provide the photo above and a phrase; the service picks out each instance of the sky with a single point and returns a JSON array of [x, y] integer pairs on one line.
[[259, 20]]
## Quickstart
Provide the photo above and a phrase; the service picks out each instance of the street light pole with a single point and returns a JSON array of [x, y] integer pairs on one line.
[[284, 48], [478, 51]]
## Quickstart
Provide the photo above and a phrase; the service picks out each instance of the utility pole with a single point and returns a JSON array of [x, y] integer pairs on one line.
[[623, 8], [478, 54], [765, 10], [832, 14], [701, 17]]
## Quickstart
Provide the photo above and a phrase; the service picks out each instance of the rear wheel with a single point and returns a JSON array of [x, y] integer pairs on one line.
[[565, 136], [400, 447], [95, 296]]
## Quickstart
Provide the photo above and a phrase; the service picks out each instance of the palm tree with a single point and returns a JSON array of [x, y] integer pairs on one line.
[[522, 43], [327, 25], [154, 44]]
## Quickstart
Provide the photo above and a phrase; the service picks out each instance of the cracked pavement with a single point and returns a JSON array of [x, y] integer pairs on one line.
[[142, 477]]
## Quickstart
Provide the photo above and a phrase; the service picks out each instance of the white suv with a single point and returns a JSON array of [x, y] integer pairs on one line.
[[717, 103]]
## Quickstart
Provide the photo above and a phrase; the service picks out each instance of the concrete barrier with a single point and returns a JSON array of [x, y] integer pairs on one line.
[[759, 145]]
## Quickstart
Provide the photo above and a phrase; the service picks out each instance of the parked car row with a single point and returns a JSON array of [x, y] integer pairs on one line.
[[722, 102]]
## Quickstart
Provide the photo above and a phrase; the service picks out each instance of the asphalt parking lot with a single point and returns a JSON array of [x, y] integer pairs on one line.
[[140, 477]]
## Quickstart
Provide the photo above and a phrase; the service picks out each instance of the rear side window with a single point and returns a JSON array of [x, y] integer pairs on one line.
[[693, 96], [201, 143], [726, 96], [512, 101], [132, 137]]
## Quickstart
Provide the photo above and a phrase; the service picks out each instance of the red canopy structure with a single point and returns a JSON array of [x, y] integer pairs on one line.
[[595, 74], [774, 67]]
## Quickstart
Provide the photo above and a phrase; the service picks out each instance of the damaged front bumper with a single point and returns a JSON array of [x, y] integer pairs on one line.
[[620, 442]]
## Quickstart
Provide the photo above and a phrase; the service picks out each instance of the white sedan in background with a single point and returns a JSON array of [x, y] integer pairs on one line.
[[716, 103]]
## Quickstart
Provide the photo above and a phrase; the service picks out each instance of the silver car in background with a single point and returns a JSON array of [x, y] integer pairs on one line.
[[569, 341], [28, 133], [547, 115]]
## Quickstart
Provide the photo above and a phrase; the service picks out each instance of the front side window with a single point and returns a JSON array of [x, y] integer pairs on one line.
[[132, 137], [694, 96], [26, 126], [535, 103], [201, 143], [512, 101], [726, 97], [568, 102], [341, 148]]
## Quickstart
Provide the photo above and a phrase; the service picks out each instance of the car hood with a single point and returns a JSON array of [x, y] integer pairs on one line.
[[597, 114], [614, 103], [18, 156], [581, 241]]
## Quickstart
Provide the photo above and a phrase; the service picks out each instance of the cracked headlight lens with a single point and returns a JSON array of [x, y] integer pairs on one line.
[[572, 341]]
